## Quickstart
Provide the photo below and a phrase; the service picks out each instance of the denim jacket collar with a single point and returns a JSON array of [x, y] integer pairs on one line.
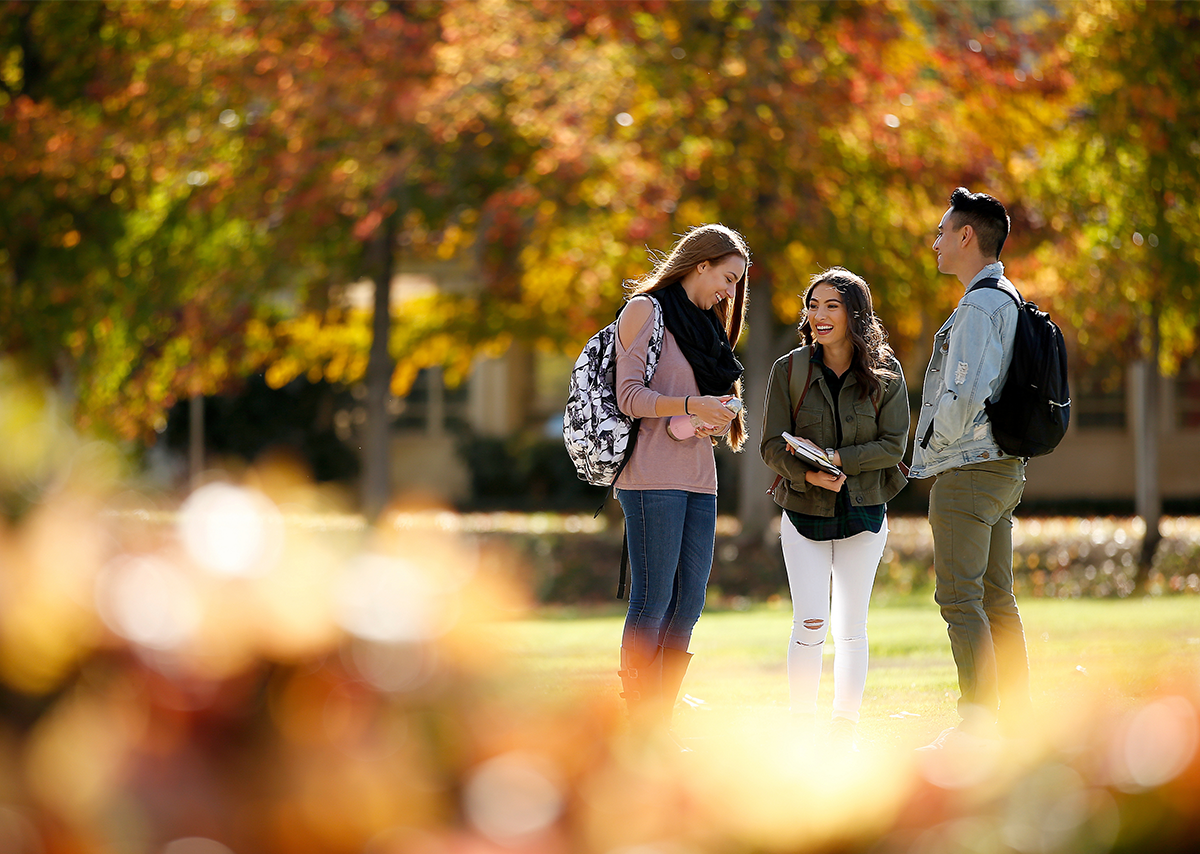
[[994, 270]]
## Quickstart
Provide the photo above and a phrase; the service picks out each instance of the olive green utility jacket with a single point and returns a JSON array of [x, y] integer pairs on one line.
[[874, 434]]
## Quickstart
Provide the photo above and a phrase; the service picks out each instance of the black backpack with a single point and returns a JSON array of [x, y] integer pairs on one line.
[[1031, 415]]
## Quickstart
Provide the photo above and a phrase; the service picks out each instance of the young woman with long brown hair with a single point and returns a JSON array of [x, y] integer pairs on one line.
[[668, 488], [843, 393]]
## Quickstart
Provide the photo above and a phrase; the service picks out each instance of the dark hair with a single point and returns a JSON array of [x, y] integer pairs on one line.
[[983, 213], [713, 243], [873, 356]]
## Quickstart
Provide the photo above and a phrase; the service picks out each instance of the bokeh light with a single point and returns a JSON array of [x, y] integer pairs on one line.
[[513, 797], [196, 845], [393, 667], [18, 835], [148, 602], [1156, 743], [390, 600], [231, 530], [1046, 810]]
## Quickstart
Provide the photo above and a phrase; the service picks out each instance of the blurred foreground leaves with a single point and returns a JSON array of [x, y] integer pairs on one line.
[[253, 670]]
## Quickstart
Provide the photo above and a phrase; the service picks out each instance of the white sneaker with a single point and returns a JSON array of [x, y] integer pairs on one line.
[[841, 735]]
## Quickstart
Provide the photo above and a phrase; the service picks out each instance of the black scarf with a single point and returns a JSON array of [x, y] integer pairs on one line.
[[702, 339]]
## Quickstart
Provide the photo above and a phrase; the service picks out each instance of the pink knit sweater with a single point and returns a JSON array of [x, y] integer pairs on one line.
[[658, 461]]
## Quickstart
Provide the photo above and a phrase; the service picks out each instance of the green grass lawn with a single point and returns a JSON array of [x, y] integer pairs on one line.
[[1082, 653]]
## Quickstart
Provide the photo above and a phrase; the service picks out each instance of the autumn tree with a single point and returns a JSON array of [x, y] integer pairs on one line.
[[187, 187], [188, 192], [814, 129], [1119, 185], [118, 259], [432, 158]]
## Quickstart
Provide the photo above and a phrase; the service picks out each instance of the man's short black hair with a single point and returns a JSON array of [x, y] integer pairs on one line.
[[983, 213]]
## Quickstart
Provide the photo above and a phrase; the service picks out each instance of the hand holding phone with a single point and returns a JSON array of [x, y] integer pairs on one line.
[[685, 426]]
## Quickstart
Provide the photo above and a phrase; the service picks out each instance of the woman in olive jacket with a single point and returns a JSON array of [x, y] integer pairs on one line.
[[843, 394]]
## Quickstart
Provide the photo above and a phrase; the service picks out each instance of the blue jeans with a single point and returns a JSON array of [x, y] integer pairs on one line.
[[671, 534]]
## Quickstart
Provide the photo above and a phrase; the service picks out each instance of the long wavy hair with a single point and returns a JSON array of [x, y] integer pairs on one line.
[[872, 359], [713, 243]]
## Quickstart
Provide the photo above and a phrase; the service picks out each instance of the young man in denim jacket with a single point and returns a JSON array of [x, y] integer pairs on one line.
[[977, 485]]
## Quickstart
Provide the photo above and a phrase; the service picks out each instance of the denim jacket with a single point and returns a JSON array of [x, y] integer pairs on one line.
[[971, 355]]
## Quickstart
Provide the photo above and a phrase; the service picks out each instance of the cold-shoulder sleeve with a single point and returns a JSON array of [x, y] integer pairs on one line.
[[633, 396]]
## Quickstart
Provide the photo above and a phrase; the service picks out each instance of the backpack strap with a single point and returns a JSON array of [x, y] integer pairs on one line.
[[621, 586], [803, 394], [799, 403], [996, 285], [657, 333]]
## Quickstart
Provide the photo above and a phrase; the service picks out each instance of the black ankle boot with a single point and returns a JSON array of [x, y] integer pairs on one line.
[[642, 684], [674, 666]]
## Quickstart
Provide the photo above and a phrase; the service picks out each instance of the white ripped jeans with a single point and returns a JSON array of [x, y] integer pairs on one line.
[[814, 567]]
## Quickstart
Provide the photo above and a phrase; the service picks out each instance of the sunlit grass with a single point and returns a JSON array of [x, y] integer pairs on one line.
[[1080, 651]]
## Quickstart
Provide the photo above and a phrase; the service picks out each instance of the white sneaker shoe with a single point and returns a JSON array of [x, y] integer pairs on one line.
[[841, 735]]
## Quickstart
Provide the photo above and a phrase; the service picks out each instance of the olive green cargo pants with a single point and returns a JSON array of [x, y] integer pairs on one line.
[[970, 512]]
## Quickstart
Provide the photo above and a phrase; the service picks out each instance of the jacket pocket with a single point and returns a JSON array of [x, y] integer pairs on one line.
[[808, 423]]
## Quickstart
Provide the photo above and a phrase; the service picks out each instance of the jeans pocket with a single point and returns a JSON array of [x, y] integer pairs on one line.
[[991, 494]]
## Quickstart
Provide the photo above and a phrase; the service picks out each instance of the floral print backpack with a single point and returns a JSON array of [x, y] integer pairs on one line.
[[598, 435]]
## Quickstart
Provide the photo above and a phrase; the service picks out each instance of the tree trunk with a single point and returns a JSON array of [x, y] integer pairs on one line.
[[1146, 380], [754, 505], [195, 439], [376, 456]]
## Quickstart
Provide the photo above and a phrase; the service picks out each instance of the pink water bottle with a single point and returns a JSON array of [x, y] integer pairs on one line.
[[682, 427]]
